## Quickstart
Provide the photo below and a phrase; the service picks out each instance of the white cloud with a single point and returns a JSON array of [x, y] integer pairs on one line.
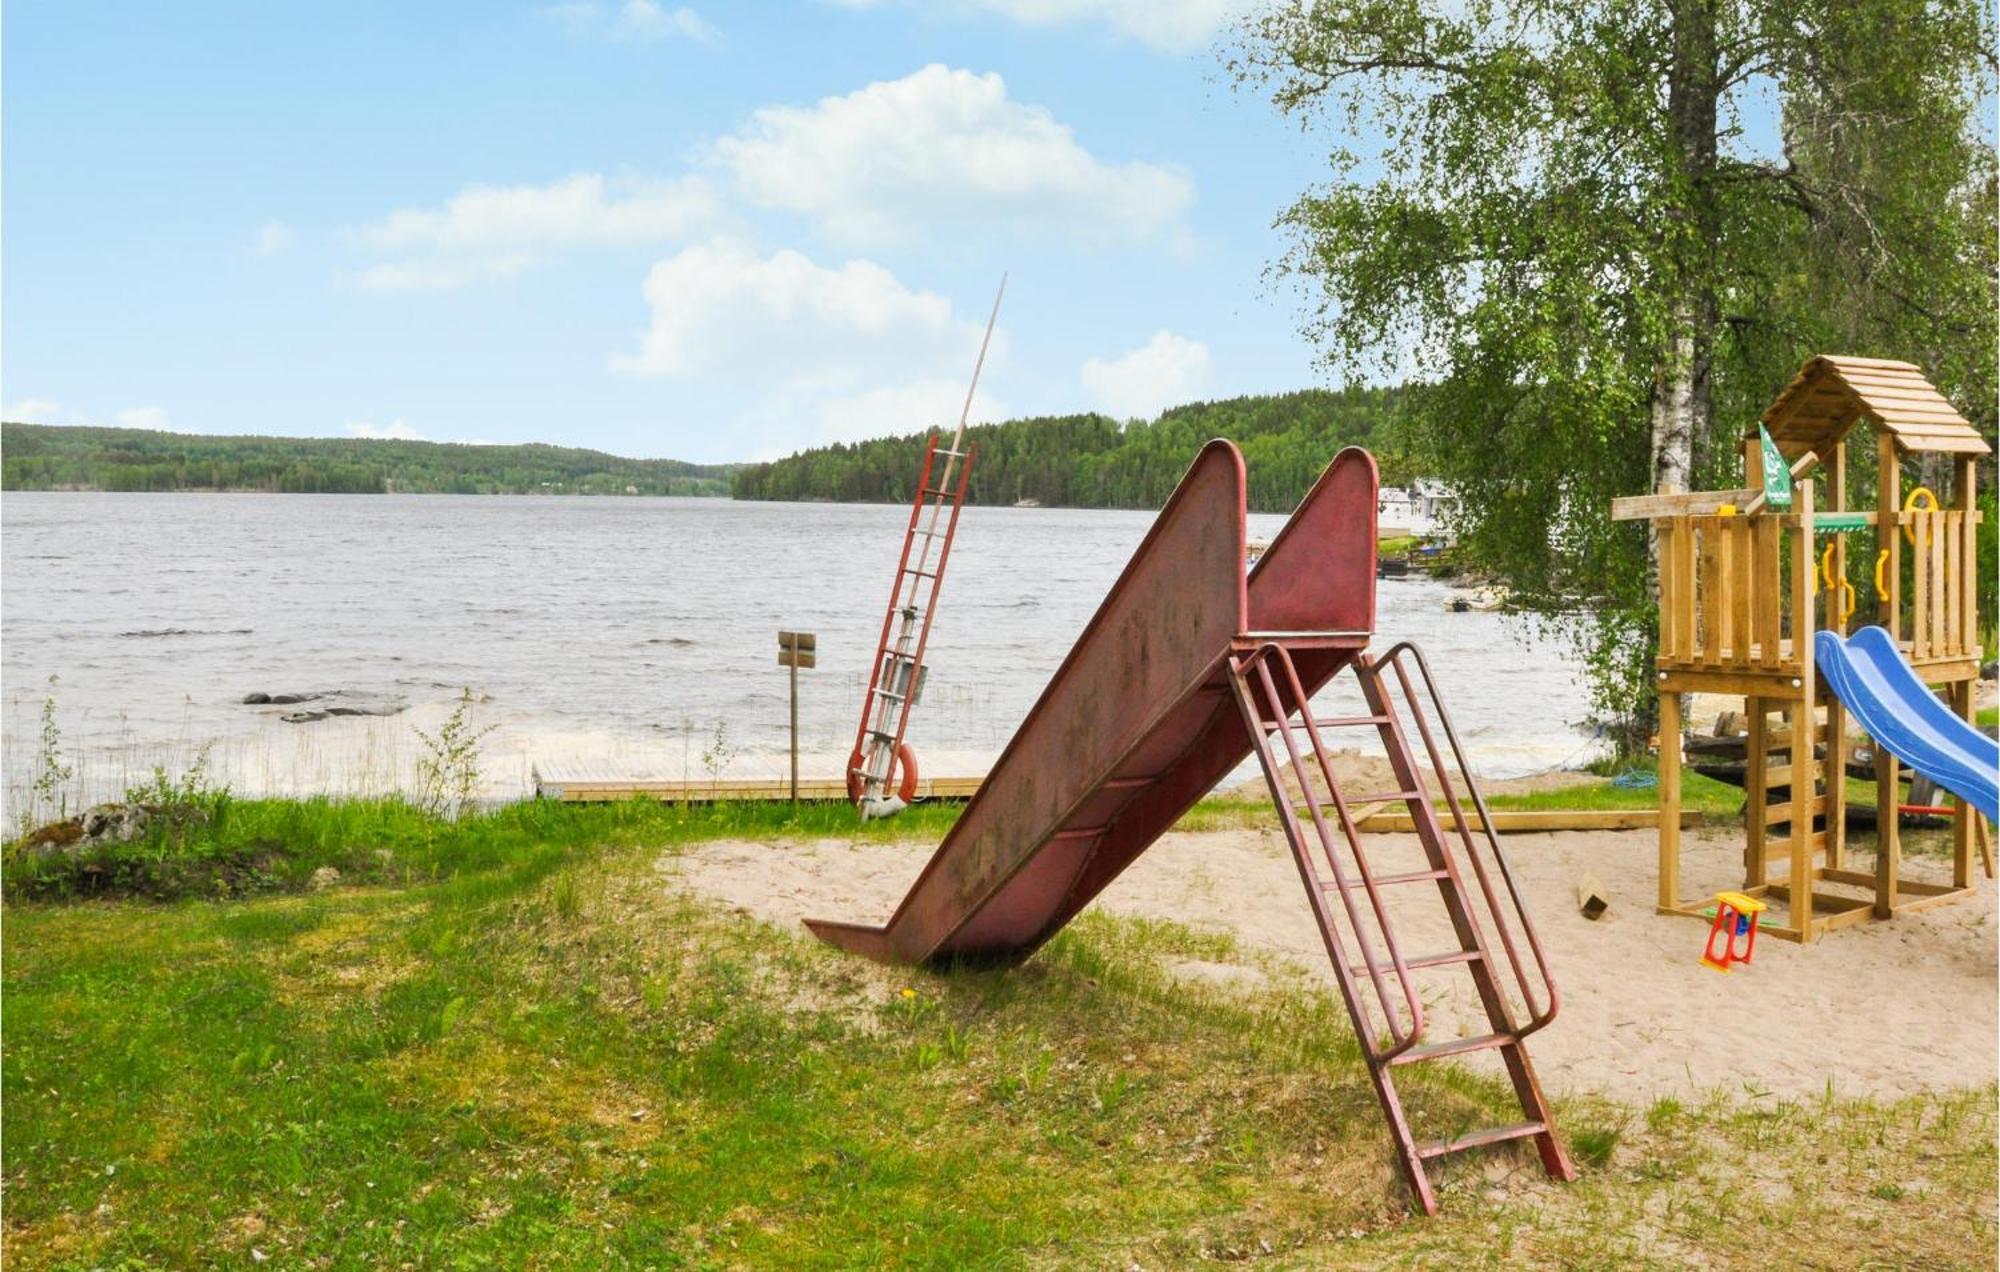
[[943, 147], [584, 210], [491, 232], [903, 408], [713, 303], [272, 237], [394, 431], [1166, 371], [1172, 26], [32, 411], [635, 21], [645, 21], [796, 353], [142, 417]]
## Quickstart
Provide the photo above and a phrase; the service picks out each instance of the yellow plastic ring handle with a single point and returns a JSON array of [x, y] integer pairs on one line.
[[1881, 564], [1845, 588], [1910, 505]]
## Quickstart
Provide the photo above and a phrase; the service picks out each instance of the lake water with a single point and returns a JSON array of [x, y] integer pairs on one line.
[[620, 631]]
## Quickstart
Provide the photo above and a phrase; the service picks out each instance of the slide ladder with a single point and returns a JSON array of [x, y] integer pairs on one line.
[[1354, 903], [1188, 669]]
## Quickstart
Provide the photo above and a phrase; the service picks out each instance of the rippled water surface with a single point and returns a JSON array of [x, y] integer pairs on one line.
[[623, 629]]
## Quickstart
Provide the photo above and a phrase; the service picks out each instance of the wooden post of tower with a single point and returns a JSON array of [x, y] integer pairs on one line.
[[1888, 784]]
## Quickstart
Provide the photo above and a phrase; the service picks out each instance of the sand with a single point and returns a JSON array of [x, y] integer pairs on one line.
[[1883, 1009], [1357, 773]]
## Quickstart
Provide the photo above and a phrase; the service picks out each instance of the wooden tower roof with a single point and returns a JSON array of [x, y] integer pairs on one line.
[[1831, 394]]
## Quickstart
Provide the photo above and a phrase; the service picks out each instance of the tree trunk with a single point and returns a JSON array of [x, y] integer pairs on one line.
[[1683, 397], [1682, 402]]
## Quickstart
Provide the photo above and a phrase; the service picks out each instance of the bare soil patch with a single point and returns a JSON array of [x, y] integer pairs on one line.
[[1882, 1010]]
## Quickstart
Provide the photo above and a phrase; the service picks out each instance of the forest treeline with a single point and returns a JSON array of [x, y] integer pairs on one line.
[[1091, 461], [51, 457], [1079, 461]]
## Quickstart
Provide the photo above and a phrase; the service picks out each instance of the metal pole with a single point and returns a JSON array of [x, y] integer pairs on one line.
[[795, 729]]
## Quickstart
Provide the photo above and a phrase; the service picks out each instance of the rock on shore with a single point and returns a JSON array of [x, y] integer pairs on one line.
[[326, 703]]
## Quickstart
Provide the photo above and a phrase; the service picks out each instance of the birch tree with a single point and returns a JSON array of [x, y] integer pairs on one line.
[[1597, 237]]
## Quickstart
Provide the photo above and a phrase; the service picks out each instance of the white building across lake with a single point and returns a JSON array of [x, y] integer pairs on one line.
[[1420, 510]]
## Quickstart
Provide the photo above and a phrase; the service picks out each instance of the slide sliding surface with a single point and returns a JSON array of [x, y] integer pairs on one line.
[[1883, 692], [1138, 722]]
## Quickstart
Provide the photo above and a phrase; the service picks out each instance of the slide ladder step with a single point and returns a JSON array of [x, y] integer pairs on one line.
[[1455, 1047], [1418, 964], [1385, 881], [1479, 1139], [1385, 797]]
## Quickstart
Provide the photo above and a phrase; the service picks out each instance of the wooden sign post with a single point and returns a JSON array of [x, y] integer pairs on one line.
[[796, 650]]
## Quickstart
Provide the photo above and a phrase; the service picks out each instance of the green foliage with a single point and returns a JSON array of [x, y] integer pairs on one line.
[[49, 457], [52, 773], [717, 752], [1590, 282], [448, 770], [181, 806], [191, 788], [1090, 461]]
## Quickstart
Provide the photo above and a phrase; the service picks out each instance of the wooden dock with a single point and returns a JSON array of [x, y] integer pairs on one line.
[[753, 778]]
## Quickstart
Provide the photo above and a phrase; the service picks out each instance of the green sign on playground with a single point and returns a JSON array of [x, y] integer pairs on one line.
[[1777, 474]]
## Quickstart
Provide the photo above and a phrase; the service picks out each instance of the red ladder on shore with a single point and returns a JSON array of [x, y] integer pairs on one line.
[[882, 764], [1352, 903]]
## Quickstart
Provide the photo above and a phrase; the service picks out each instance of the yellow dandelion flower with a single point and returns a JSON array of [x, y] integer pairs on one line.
[[908, 992]]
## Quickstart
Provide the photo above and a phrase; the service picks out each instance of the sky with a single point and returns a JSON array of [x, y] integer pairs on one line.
[[715, 232]]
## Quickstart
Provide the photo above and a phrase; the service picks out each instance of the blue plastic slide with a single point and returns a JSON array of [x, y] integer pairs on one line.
[[1906, 719]]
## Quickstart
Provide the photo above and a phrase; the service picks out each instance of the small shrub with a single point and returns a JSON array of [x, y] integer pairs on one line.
[[52, 775], [716, 755], [181, 803], [448, 771]]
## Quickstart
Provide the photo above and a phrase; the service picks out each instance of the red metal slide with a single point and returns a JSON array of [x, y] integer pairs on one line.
[[1189, 668], [1138, 723]]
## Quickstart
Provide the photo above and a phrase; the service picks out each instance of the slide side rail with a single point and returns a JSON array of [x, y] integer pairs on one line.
[[1538, 991], [1268, 700]]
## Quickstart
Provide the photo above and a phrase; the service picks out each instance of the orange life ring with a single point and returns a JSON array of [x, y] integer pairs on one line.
[[902, 774]]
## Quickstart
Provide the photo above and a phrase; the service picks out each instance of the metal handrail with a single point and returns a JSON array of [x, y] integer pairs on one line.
[[1403, 1039], [1537, 1018]]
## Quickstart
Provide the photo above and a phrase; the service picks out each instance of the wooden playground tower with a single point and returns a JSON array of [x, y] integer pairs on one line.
[[1743, 587]]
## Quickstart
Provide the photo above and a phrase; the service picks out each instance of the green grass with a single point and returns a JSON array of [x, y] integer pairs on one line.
[[252, 846], [537, 1049], [1987, 717], [1702, 794]]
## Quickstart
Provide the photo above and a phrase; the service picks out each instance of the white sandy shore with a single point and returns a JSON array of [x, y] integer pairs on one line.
[[1883, 1009]]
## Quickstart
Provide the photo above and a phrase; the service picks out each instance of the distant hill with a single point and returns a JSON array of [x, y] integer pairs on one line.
[[50, 457], [1091, 461]]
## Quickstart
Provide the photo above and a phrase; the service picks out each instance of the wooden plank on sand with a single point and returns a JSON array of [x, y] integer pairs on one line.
[[1518, 821]]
